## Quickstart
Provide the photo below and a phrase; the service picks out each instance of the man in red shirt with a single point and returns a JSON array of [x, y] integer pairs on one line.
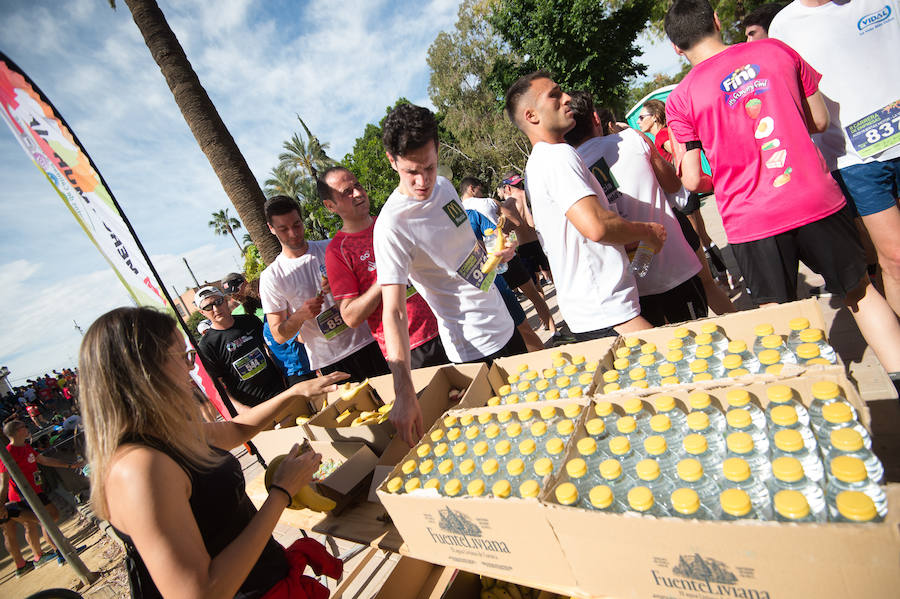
[[350, 261], [14, 507]]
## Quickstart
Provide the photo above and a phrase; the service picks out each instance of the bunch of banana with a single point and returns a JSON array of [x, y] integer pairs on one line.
[[492, 588], [305, 497], [493, 260]]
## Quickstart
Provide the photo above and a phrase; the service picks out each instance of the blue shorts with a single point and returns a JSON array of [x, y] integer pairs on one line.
[[871, 187]]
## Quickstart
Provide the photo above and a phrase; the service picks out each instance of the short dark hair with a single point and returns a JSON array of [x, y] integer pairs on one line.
[[408, 128], [278, 205], [582, 106], [518, 89], [322, 188], [607, 117], [689, 21], [763, 14], [470, 182]]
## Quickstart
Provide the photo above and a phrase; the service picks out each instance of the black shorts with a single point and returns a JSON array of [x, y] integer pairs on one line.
[[14, 509], [430, 353], [516, 274], [513, 347], [687, 229], [365, 362], [829, 246], [595, 334], [685, 302], [533, 255]]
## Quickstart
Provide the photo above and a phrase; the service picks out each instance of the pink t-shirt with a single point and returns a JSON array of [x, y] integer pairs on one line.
[[745, 106]]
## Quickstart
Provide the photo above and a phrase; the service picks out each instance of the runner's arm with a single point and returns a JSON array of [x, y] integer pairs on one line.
[[816, 113], [355, 310], [406, 414], [601, 225], [662, 168], [52, 462], [285, 327]]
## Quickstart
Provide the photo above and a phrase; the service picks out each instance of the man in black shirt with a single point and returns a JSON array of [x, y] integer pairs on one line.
[[235, 352]]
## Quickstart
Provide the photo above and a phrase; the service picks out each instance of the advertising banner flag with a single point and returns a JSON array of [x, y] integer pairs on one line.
[[54, 149]]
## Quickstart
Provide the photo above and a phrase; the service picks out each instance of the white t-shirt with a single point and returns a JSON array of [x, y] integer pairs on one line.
[[485, 206], [621, 163], [851, 45], [289, 282], [431, 244], [594, 285]]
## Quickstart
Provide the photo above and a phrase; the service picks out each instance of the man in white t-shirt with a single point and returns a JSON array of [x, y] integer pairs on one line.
[[584, 239], [297, 299], [628, 168], [423, 236], [850, 44]]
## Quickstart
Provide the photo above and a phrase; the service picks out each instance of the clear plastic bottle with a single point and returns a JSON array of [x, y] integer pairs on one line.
[[761, 331], [817, 337], [789, 443], [839, 415], [740, 445], [602, 499], [657, 448], [614, 476], [714, 364], [538, 430], [736, 474], [635, 408], [741, 398], [466, 471], [740, 421], [577, 470], [824, 393], [770, 361], [606, 411], [749, 360], [784, 417], [529, 489], [787, 473], [691, 476], [626, 426], [776, 343], [732, 362], [807, 354], [649, 349], [686, 504], [651, 368], [643, 256], [585, 380], [527, 450], [700, 401], [453, 487], [562, 383], [641, 501], [667, 406], [855, 507], [567, 494], [735, 504], [479, 451], [688, 342], [698, 423], [791, 506], [501, 489], [703, 339], [502, 449], [848, 441], [661, 425], [541, 386], [555, 449], [676, 358], [543, 467], [784, 395], [513, 430], [596, 428], [849, 474], [797, 325], [719, 339], [623, 362], [620, 448], [490, 471], [590, 452], [649, 475], [696, 446], [636, 376], [559, 363]]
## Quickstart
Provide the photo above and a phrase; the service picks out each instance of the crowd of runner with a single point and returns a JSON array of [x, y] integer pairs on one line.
[[46, 400]]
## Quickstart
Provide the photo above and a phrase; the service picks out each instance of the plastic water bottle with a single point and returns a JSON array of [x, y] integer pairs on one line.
[[649, 475], [490, 472], [638, 378], [614, 476], [692, 476], [761, 331], [596, 428], [736, 474], [824, 393], [849, 474], [601, 498], [784, 417], [649, 349], [676, 358], [808, 355], [719, 339], [770, 361], [838, 415], [791, 506], [739, 348], [703, 339], [660, 425], [699, 371], [855, 507], [686, 504], [567, 494], [657, 448], [734, 366], [797, 326], [555, 451], [626, 426], [620, 449], [559, 363], [641, 501], [740, 399], [695, 446], [740, 445], [700, 401], [606, 412], [635, 408], [585, 380], [776, 343], [784, 395], [789, 443], [589, 451], [577, 470], [640, 264], [817, 337], [651, 367], [848, 441], [667, 374], [543, 467], [787, 473], [740, 421], [698, 423], [735, 504], [667, 406], [634, 344], [688, 342], [713, 363]]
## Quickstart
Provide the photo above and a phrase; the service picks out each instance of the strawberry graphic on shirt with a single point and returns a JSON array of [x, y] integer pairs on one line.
[[752, 107]]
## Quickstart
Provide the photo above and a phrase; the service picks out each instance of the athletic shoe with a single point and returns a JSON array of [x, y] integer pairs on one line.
[[61, 561], [47, 557], [20, 572]]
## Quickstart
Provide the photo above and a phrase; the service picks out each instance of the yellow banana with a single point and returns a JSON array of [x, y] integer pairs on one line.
[[513, 590], [487, 582], [385, 408], [344, 415], [302, 420], [349, 393], [493, 260], [305, 497], [488, 594], [501, 592]]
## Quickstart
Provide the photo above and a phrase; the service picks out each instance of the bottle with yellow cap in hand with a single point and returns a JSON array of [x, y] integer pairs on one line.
[[735, 504], [848, 442], [686, 504], [736, 474], [787, 473], [789, 443], [849, 474]]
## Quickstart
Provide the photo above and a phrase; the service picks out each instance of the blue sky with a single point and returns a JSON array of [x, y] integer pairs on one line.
[[337, 64]]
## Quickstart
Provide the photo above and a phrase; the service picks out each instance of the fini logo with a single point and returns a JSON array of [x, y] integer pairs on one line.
[[739, 77], [876, 18]]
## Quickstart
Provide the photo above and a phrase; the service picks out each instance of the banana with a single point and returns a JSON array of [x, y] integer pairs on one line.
[[501, 592], [493, 260], [302, 420], [344, 415], [382, 419], [349, 393], [488, 594], [305, 497], [385, 408], [487, 582]]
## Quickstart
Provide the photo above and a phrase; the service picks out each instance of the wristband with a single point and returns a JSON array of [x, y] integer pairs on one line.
[[283, 490]]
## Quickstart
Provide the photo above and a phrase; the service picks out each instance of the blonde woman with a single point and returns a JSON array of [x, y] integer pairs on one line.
[[164, 478]]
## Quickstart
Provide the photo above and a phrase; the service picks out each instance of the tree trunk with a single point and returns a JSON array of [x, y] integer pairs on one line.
[[205, 123], [230, 230]]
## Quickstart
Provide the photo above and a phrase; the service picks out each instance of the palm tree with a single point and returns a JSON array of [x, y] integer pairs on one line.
[[205, 123], [283, 180], [308, 156], [224, 224]]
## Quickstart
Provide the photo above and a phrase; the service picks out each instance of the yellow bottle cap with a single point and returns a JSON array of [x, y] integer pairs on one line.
[[709, 328], [619, 445], [784, 415], [556, 354], [513, 430], [553, 394], [466, 420], [772, 341], [549, 373], [591, 366], [485, 417], [601, 497], [647, 470], [475, 488], [690, 469], [504, 390], [788, 440], [846, 439], [675, 355], [432, 484], [525, 414], [791, 504], [779, 393], [812, 336], [595, 427], [670, 380], [856, 506], [807, 351], [523, 387], [664, 403], [467, 467], [578, 360], [529, 489], [426, 466], [585, 379], [769, 357], [788, 469], [527, 447], [655, 445], [501, 489], [703, 339], [573, 410], [460, 449], [565, 427], [685, 501], [675, 344], [798, 324], [547, 412], [699, 400], [637, 374], [741, 443], [603, 408], [666, 370], [576, 468], [575, 392], [512, 399], [503, 447], [559, 362], [522, 368], [633, 405], [681, 332], [837, 412], [453, 434], [621, 363], [704, 352], [395, 484], [738, 418], [610, 469], [762, 330], [626, 425], [646, 361], [423, 450], [632, 342], [698, 421], [445, 467], [695, 444], [472, 432], [480, 448], [566, 494], [640, 499], [737, 398], [736, 469], [570, 370], [494, 401], [504, 416], [543, 466], [735, 502], [555, 446], [848, 469], [492, 430], [774, 369], [408, 467], [737, 347], [586, 446], [437, 435], [641, 384], [490, 467], [412, 484], [542, 385], [513, 379], [648, 348], [531, 375], [825, 390], [515, 467], [732, 362], [450, 421], [660, 423], [452, 487], [737, 372]]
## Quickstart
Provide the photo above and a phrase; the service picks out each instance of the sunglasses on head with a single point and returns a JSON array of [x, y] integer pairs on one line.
[[216, 302]]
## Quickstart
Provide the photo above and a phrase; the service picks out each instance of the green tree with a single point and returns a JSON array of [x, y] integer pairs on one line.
[[225, 224], [253, 264], [195, 318], [731, 13], [638, 92]]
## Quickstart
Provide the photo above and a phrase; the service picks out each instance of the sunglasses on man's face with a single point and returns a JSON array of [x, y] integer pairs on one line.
[[234, 283], [216, 302]]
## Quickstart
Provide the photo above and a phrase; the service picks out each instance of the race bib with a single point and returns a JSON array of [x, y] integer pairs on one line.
[[876, 132], [410, 291], [470, 269], [251, 364], [330, 322]]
